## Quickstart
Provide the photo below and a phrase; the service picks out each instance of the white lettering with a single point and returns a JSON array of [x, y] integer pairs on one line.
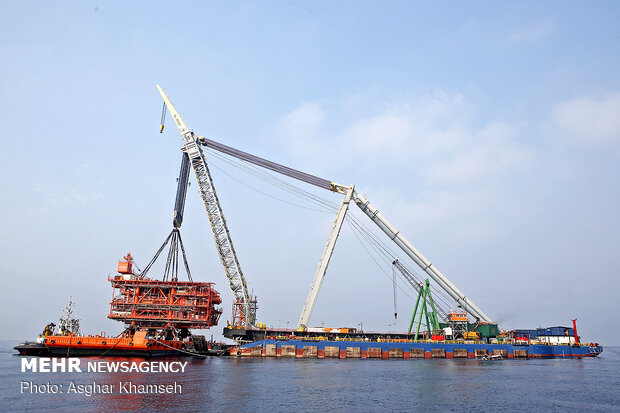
[[123, 387], [90, 389], [44, 365], [74, 365], [30, 387], [56, 363], [50, 365], [132, 388], [29, 364], [144, 367]]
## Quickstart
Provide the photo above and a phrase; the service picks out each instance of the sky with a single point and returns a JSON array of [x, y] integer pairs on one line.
[[488, 133]]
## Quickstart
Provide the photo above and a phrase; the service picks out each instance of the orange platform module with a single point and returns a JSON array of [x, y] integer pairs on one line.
[[142, 302], [156, 304]]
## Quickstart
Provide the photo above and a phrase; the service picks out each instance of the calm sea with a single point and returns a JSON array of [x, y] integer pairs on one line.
[[248, 385]]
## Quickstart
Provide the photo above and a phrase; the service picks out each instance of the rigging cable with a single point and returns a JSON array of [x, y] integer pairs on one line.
[[394, 282], [259, 173], [389, 256], [385, 252], [373, 258], [266, 194]]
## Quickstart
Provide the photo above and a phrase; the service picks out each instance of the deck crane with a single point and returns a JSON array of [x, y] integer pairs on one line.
[[244, 306], [417, 283], [373, 213], [423, 289]]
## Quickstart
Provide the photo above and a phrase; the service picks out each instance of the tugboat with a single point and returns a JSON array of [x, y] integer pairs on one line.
[[135, 342], [67, 326], [37, 347]]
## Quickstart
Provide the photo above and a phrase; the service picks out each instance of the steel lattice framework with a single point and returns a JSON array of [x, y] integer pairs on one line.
[[223, 241], [156, 304]]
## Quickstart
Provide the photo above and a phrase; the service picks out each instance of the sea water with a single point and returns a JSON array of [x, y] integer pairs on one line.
[[266, 385]]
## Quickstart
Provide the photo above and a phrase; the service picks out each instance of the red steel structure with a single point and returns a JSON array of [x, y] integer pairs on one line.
[[150, 303], [142, 302]]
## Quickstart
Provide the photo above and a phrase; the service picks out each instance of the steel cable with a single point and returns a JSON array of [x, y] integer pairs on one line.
[[384, 251]]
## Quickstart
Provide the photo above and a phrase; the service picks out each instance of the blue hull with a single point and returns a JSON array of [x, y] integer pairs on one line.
[[365, 349]]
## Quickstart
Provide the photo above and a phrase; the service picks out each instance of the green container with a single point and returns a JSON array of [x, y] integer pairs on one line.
[[485, 329]]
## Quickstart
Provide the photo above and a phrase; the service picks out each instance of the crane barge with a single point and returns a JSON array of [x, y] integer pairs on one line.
[[469, 338], [159, 313]]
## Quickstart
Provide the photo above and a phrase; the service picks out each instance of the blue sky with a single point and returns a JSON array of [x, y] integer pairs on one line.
[[488, 133]]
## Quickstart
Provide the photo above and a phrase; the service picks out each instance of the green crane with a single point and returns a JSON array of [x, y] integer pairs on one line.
[[432, 323]]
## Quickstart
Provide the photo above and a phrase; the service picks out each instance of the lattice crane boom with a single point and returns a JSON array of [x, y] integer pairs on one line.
[[244, 307]]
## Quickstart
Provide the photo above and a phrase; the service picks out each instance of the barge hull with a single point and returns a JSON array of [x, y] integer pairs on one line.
[[32, 349], [91, 352], [136, 346], [404, 350]]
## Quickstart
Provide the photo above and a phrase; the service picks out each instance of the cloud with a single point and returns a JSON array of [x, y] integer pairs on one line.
[[437, 138], [53, 200], [393, 129], [384, 132], [589, 119], [534, 33], [453, 215], [481, 153], [301, 128], [434, 143], [304, 121]]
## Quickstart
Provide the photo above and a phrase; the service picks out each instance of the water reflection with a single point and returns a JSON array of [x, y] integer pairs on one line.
[[190, 386], [250, 384]]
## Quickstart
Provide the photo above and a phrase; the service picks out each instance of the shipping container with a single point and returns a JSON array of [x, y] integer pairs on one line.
[[486, 330], [314, 329]]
